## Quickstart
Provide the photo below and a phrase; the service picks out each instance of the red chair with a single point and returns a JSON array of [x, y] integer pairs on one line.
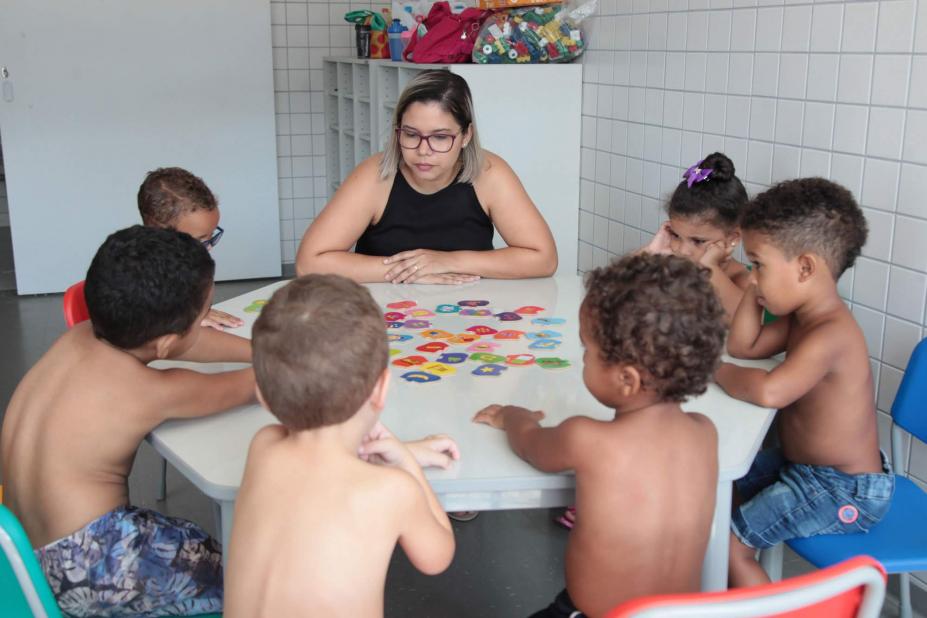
[[75, 305], [75, 312], [853, 588]]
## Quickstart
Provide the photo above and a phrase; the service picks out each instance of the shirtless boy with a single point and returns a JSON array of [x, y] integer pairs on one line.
[[327, 494], [78, 416], [828, 477], [653, 331]]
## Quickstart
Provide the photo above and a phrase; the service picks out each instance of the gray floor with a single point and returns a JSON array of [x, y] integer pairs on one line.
[[508, 563]]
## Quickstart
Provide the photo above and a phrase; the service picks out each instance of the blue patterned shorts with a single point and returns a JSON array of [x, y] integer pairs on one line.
[[784, 500], [133, 561]]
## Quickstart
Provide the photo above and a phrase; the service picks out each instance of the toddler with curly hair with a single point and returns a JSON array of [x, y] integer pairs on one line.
[[653, 331]]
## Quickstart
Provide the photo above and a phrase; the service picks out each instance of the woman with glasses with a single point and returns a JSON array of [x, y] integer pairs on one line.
[[424, 210]]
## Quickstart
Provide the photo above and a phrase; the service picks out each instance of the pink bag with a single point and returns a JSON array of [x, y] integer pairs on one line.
[[450, 36]]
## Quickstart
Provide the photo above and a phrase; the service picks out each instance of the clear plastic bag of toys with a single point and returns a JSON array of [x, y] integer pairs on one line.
[[535, 34]]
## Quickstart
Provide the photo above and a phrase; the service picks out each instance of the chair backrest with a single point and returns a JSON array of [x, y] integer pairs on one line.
[[910, 405], [854, 588], [75, 305], [23, 589]]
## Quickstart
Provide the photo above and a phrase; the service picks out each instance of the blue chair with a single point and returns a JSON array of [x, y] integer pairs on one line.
[[899, 541]]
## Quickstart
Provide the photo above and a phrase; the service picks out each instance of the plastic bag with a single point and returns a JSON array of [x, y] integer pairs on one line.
[[448, 36], [537, 34], [510, 4]]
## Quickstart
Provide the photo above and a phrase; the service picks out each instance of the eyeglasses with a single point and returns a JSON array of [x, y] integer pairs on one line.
[[213, 240], [439, 142]]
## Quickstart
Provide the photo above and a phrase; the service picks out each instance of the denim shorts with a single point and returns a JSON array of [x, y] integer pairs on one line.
[[783, 500]]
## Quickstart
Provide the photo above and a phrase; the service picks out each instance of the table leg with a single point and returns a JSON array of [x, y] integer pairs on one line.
[[714, 568], [226, 510]]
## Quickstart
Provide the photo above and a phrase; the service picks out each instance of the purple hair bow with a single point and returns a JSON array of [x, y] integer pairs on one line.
[[695, 174]]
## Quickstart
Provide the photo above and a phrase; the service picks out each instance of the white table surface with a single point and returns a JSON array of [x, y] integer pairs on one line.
[[211, 451]]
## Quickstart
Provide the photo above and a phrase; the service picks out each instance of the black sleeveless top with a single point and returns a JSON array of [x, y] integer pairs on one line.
[[449, 220]]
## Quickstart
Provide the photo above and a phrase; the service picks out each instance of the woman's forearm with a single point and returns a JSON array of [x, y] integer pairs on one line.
[[507, 263], [360, 268]]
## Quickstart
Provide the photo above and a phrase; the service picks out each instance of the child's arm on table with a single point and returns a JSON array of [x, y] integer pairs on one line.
[[426, 534], [749, 337], [181, 393], [548, 449], [215, 346], [803, 368]]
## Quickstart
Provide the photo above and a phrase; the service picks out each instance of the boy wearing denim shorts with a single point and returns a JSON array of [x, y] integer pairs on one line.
[[828, 476], [75, 422]]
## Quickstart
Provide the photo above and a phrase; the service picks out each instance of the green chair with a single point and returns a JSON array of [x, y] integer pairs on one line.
[[23, 588]]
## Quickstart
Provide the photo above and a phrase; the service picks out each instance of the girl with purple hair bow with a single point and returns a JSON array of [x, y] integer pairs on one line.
[[704, 225]]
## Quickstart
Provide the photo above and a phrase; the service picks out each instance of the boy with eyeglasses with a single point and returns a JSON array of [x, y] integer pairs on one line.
[[75, 422], [173, 198]]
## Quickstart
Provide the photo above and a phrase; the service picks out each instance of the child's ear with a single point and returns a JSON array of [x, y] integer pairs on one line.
[[165, 344], [807, 266], [627, 380], [734, 238], [380, 388]]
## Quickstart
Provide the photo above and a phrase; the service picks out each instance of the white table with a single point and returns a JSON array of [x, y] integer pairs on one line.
[[211, 451]]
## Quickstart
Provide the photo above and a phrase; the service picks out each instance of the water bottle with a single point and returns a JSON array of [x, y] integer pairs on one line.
[[395, 39]]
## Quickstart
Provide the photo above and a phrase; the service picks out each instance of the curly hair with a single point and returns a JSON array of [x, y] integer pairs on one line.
[[168, 192], [810, 215], [658, 313], [718, 200]]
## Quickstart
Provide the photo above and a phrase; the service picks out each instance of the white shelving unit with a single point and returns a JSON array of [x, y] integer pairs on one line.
[[530, 115]]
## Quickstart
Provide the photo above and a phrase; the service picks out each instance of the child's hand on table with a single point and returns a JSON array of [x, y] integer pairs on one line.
[[496, 416], [387, 451], [432, 451], [437, 451], [220, 320]]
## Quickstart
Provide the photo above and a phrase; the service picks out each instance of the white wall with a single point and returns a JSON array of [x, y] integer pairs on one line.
[[833, 89], [303, 33]]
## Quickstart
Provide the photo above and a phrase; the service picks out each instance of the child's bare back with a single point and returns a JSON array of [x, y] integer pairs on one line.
[[328, 493], [320, 525], [76, 420], [645, 488], [652, 328]]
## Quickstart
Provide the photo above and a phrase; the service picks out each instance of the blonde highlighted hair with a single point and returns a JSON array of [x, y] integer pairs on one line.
[[452, 93]]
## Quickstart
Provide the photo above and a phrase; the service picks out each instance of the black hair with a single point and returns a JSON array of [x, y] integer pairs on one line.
[[719, 199], [810, 215], [147, 282], [169, 192]]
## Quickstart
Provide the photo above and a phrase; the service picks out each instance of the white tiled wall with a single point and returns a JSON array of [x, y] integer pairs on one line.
[[303, 33], [835, 89]]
